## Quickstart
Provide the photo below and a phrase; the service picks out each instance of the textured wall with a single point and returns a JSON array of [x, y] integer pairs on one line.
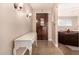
[[78, 22], [12, 26]]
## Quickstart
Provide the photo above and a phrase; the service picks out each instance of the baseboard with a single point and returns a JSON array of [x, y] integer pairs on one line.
[[55, 44], [5, 53], [52, 42], [73, 47], [49, 39]]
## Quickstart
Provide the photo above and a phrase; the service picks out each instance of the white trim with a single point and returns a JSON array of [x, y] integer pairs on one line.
[[5, 53], [49, 39], [42, 11], [55, 44], [73, 47]]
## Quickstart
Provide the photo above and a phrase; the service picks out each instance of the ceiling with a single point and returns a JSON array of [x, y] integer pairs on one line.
[[41, 5], [68, 9], [64, 9]]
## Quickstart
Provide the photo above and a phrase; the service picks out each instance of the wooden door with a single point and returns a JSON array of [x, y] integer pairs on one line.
[[42, 26]]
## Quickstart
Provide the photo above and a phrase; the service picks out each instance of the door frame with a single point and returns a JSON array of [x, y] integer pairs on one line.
[[49, 17]]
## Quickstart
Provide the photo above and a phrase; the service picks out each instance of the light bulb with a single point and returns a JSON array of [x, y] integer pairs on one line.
[[30, 14]]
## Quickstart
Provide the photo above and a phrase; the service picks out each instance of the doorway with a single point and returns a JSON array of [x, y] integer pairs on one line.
[[42, 26]]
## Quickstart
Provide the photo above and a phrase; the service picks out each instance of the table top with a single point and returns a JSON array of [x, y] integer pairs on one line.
[[27, 36]]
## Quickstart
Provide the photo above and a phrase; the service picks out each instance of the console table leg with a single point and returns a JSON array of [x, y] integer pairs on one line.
[[36, 43], [30, 50]]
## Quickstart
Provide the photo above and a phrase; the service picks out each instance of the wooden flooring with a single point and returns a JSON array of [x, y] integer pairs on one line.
[[47, 48], [67, 51]]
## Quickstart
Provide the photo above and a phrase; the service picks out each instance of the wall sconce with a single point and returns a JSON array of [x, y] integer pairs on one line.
[[29, 15], [20, 13], [18, 6], [15, 5]]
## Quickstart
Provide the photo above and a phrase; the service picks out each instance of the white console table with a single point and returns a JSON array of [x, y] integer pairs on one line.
[[25, 41]]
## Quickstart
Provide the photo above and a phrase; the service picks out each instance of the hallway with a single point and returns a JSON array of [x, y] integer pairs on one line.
[[18, 20], [45, 48]]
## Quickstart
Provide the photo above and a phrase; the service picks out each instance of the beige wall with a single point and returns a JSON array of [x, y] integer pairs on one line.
[[74, 26], [12, 26], [78, 22]]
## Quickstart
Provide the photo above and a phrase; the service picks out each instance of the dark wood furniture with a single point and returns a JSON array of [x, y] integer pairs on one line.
[[69, 38]]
